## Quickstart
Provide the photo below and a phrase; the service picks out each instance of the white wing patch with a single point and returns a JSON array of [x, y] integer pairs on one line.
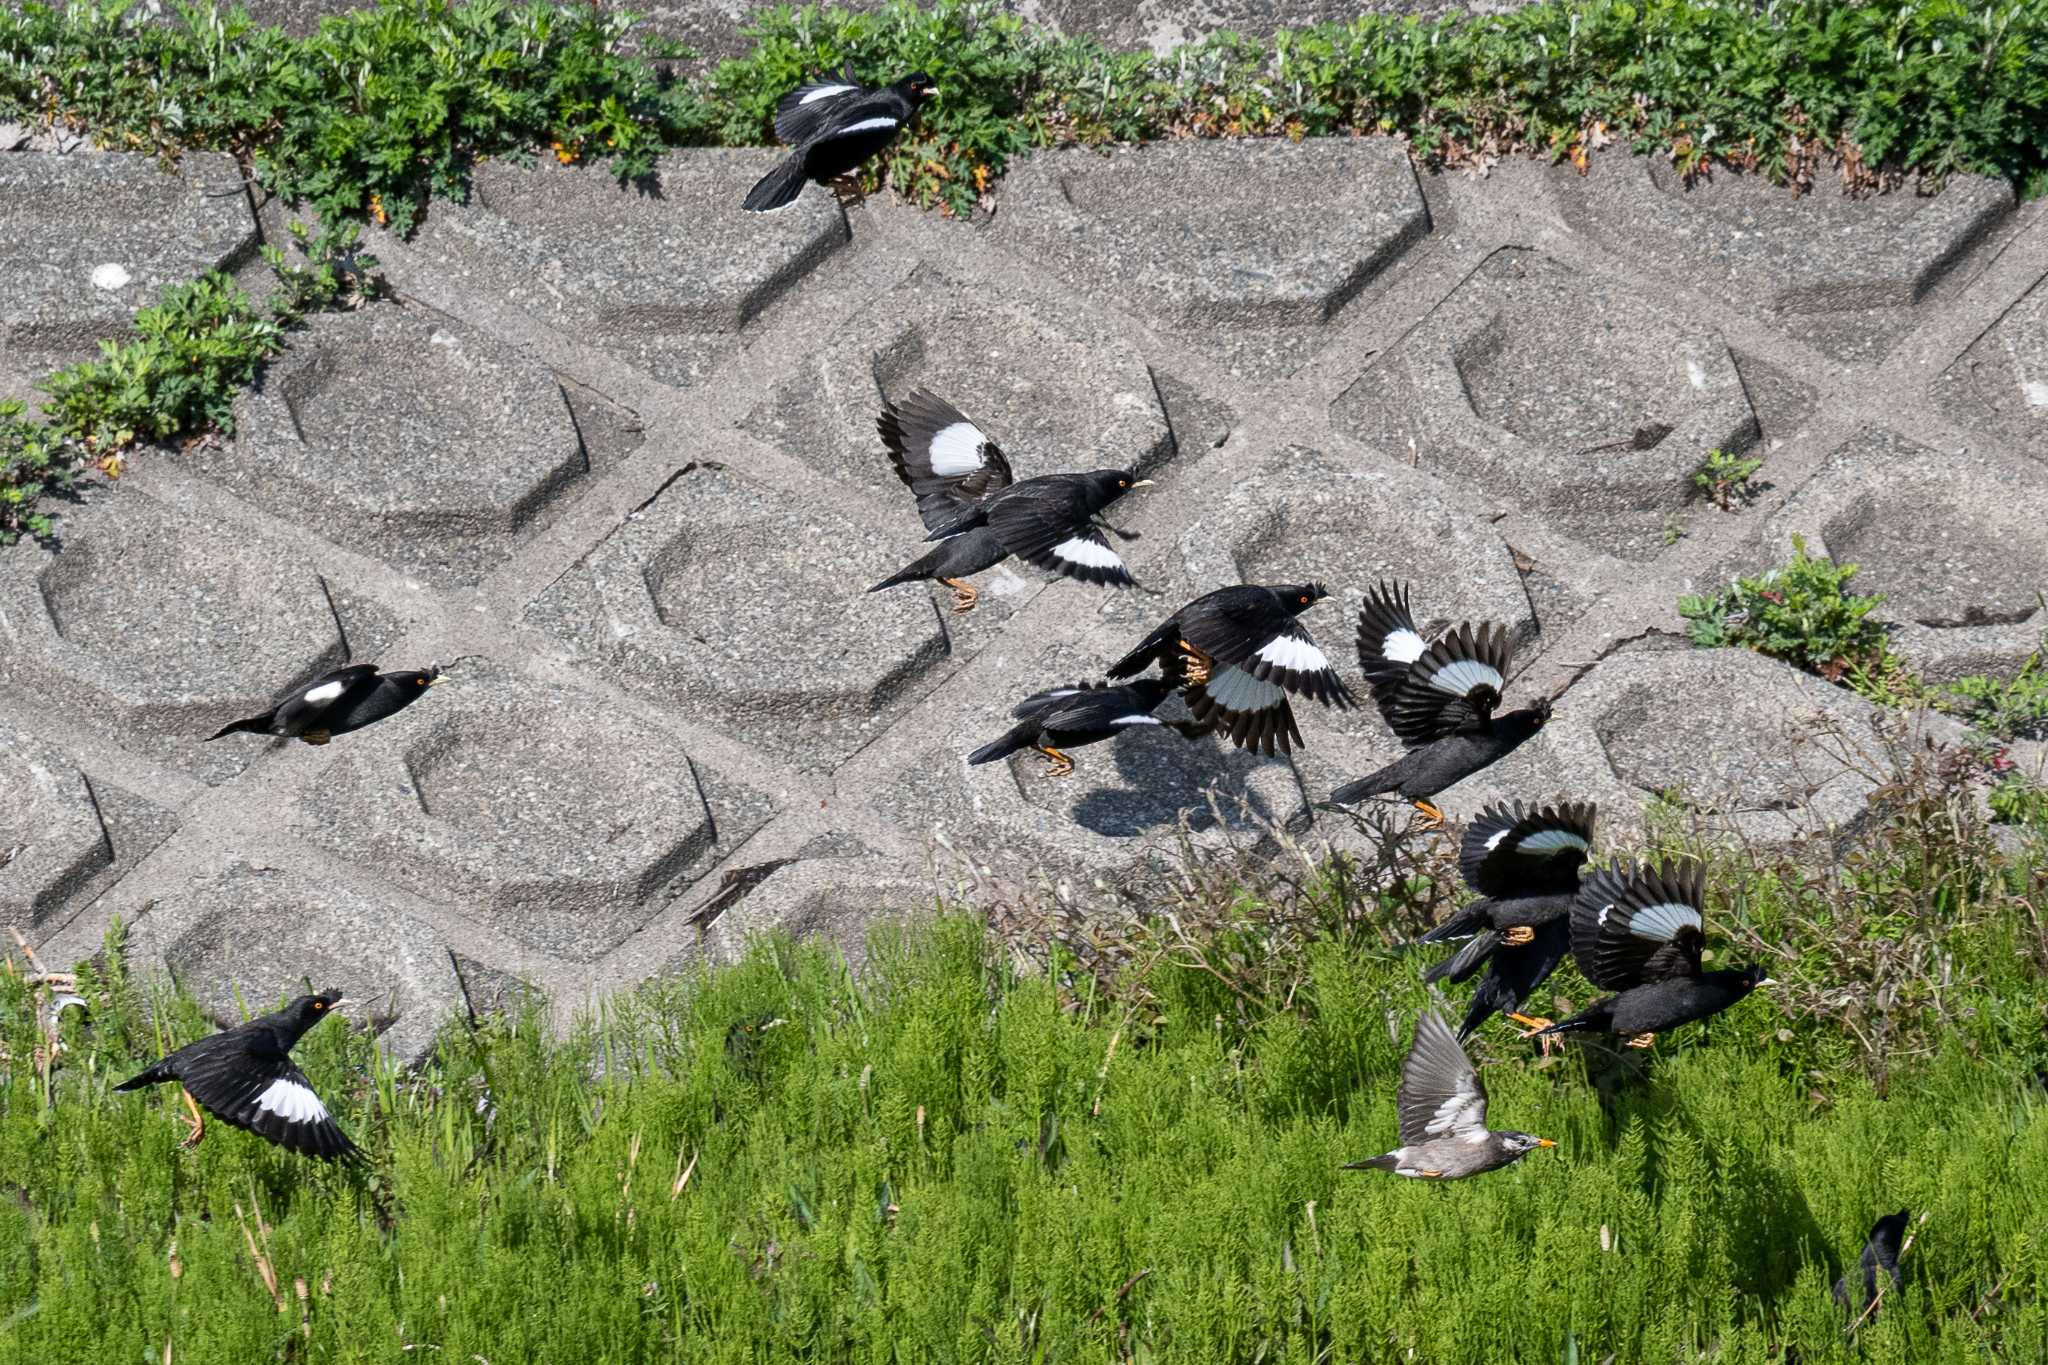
[[1402, 647], [1092, 553], [292, 1102], [1135, 720], [1289, 651], [1462, 675], [956, 449], [1548, 841], [1662, 921], [826, 92], [324, 692], [868, 125], [1494, 842], [1236, 690], [1449, 1116]]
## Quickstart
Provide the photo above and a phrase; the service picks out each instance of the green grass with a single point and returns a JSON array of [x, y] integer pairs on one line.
[[944, 1160]]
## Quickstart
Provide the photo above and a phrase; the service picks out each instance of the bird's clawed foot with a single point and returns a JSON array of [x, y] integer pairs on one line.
[[1518, 936], [846, 189], [198, 1130], [1536, 1025], [1432, 816], [965, 595], [1643, 1040], [1060, 765], [1195, 664], [317, 736]]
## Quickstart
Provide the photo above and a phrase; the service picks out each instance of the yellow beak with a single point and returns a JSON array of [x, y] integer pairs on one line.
[[1142, 483], [1545, 1142]]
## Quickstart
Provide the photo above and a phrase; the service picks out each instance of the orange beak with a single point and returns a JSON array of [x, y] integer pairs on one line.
[[1545, 1142]]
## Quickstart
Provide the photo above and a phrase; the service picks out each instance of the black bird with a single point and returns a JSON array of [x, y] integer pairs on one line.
[[245, 1076], [1880, 1252], [335, 703], [1068, 717], [980, 517], [835, 126], [1443, 1115], [1524, 863], [1439, 700], [1636, 930], [1239, 652]]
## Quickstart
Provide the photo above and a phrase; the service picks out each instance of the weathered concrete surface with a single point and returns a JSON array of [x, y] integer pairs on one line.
[[612, 461]]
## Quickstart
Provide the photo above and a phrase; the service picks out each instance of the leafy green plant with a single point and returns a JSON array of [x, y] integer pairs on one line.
[[193, 352], [2010, 708], [1801, 612], [2018, 800], [1726, 479]]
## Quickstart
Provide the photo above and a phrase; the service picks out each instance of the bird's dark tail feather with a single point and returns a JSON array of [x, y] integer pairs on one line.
[[1462, 924], [1493, 996], [919, 572], [1593, 1018], [1018, 737], [156, 1075], [779, 187], [1466, 960], [1378, 1163], [1373, 784], [254, 725]]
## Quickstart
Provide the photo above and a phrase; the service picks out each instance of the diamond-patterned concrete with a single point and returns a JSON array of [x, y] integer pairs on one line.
[[1566, 396], [612, 461], [1248, 248]]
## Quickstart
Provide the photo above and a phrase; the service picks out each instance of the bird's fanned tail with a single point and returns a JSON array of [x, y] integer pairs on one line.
[[1377, 1163], [1373, 784], [156, 1075]]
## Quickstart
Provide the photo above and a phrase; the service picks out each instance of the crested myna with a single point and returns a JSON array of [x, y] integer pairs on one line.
[[1068, 717], [980, 517], [1443, 1115], [1880, 1253], [833, 127], [1637, 931], [245, 1076], [335, 703], [1239, 652], [1439, 699], [1524, 863]]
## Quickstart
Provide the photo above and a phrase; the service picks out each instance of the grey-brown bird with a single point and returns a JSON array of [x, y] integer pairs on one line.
[[1443, 1115]]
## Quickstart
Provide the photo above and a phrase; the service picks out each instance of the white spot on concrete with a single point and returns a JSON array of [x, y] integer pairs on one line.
[[112, 275]]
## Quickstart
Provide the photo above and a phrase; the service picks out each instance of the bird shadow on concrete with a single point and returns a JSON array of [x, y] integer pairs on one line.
[[1164, 779]]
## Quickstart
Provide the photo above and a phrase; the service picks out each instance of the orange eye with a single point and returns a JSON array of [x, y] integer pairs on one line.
[[319, 1004], [1304, 599]]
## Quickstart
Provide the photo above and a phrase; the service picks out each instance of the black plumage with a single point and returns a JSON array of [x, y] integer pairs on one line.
[[1439, 699], [1069, 717], [1637, 931], [1880, 1253], [1239, 652], [245, 1076], [981, 515], [1524, 863], [833, 127], [348, 698], [1443, 1115]]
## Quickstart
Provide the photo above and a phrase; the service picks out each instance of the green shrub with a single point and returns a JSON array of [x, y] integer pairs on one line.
[[1803, 613], [1726, 479], [2010, 708]]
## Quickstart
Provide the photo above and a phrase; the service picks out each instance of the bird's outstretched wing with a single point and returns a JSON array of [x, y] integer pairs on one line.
[[1440, 1094], [1512, 850], [1387, 641], [1047, 523], [946, 461], [265, 1093], [1632, 925], [1452, 687]]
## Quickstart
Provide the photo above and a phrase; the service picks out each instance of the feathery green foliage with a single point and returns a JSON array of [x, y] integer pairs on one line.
[[942, 1160]]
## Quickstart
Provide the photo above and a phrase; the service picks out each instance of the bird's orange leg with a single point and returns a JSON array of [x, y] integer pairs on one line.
[[1432, 816], [1061, 764], [1643, 1040], [965, 595], [1518, 935], [1195, 663], [198, 1120], [1535, 1026]]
